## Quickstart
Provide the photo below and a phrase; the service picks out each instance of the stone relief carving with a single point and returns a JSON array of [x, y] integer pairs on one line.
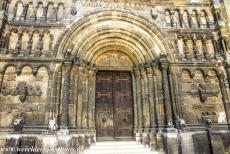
[[114, 61], [203, 92], [24, 107], [22, 90]]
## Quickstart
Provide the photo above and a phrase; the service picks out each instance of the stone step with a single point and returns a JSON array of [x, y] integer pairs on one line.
[[118, 147]]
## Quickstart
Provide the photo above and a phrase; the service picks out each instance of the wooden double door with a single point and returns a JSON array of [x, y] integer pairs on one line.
[[114, 105]]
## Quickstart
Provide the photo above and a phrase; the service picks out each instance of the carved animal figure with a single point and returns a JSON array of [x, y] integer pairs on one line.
[[53, 126]]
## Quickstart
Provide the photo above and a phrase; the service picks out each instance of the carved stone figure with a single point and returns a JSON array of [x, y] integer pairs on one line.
[[74, 10], [22, 92], [202, 92], [18, 123], [53, 126], [180, 123], [68, 53]]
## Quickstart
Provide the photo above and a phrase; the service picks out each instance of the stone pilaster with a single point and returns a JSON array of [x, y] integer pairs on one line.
[[66, 94]]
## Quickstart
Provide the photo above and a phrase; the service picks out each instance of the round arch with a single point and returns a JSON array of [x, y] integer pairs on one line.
[[103, 31]]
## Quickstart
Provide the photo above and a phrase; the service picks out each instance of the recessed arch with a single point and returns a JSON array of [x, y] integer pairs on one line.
[[105, 30]]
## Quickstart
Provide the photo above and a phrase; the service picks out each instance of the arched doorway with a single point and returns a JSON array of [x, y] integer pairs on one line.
[[116, 41]]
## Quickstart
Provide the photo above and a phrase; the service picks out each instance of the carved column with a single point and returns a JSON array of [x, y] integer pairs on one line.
[[151, 95], [135, 104], [80, 95], [58, 92], [85, 99], [174, 91], [166, 92], [75, 92], [91, 107], [145, 102], [152, 134], [50, 105], [155, 93], [138, 95], [225, 96], [66, 95]]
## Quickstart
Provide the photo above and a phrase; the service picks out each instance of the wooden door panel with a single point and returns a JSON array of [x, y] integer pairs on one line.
[[123, 110], [104, 105], [114, 107]]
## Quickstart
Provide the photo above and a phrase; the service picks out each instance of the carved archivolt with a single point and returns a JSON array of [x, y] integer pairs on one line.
[[114, 61]]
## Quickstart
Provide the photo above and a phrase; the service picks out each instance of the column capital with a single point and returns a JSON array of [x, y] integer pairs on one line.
[[81, 69], [136, 72], [164, 66], [173, 70], [149, 70]]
